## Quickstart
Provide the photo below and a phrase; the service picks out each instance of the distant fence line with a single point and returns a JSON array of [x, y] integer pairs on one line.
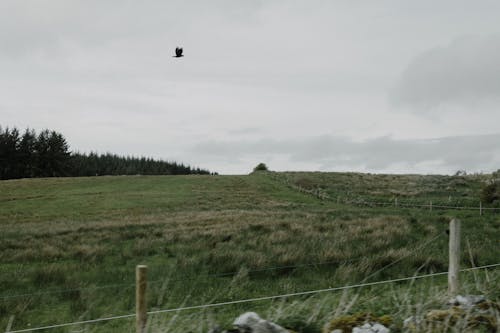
[[323, 195], [430, 206]]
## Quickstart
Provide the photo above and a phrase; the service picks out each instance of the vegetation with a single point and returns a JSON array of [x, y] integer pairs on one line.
[[260, 167], [491, 192], [47, 154], [69, 246]]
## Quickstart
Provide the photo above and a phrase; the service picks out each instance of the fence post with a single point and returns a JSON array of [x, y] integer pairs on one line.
[[480, 208], [141, 316], [9, 324], [395, 202], [430, 206], [454, 257]]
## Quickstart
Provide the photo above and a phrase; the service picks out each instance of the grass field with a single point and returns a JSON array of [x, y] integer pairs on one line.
[[69, 246]]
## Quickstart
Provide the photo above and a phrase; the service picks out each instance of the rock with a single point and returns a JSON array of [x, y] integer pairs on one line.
[[250, 322], [337, 331], [379, 328], [371, 328], [467, 301]]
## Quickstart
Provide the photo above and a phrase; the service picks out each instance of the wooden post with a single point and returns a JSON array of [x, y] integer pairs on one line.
[[480, 208], [395, 202], [430, 206], [140, 298], [454, 265], [9, 324]]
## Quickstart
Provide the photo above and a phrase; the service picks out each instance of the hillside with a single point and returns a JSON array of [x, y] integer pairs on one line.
[[69, 246]]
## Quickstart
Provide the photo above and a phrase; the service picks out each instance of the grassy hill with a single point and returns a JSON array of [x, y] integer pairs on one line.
[[69, 246]]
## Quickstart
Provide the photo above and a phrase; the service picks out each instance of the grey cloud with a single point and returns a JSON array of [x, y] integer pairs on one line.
[[448, 154], [463, 72], [256, 69]]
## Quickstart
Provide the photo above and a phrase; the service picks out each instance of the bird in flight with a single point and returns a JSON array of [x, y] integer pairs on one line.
[[178, 52]]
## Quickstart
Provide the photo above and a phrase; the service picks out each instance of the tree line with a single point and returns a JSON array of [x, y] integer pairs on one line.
[[46, 154]]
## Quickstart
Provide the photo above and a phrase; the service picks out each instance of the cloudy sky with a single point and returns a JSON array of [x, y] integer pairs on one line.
[[372, 86]]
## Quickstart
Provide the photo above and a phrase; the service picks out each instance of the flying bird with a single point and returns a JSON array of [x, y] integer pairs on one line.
[[178, 52]]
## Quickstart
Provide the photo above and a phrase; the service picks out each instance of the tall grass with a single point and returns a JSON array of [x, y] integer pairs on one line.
[[68, 249]]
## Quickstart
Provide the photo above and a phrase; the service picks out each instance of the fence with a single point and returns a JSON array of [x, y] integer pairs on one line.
[[430, 206], [320, 194], [141, 314]]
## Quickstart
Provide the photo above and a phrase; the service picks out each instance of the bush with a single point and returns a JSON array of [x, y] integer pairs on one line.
[[491, 192], [261, 167], [299, 324]]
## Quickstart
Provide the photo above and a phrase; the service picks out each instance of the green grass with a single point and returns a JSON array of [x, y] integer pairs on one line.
[[211, 239]]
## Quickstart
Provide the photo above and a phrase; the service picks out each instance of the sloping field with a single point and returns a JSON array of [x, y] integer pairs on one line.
[[69, 246]]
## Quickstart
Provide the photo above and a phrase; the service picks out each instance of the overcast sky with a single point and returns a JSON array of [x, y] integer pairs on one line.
[[373, 86]]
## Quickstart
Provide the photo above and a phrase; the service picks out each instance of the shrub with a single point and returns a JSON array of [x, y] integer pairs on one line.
[[261, 167], [299, 324], [490, 192]]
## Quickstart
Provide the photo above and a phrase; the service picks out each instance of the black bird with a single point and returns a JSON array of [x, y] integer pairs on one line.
[[178, 52]]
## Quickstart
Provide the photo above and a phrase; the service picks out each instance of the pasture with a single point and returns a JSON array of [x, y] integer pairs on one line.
[[69, 247]]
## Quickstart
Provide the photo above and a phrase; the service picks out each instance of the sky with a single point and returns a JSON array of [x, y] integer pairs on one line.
[[367, 86]]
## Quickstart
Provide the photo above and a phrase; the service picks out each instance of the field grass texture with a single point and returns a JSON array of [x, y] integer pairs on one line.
[[69, 247]]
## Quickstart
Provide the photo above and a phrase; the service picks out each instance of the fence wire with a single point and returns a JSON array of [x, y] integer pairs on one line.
[[249, 300]]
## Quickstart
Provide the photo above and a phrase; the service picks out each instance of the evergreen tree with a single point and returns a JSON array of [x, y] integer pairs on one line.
[[42, 155], [27, 153], [58, 154], [47, 155], [9, 156]]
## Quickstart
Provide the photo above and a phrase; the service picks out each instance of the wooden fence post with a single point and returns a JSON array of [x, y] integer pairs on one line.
[[454, 257], [141, 317], [9, 324], [480, 208]]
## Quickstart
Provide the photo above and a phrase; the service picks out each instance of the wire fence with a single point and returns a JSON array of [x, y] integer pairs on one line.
[[362, 283], [429, 206], [249, 300], [324, 195]]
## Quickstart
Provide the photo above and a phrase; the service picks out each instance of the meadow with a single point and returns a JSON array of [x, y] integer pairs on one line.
[[69, 247]]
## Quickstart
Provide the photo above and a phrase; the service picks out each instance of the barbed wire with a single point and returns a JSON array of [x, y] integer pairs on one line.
[[248, 300]]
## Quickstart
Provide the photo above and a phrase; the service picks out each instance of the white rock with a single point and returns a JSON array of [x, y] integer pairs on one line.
[[338, 330], [368, 328], [379, 328], [250, 322], [249, 319], [467, 301]]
